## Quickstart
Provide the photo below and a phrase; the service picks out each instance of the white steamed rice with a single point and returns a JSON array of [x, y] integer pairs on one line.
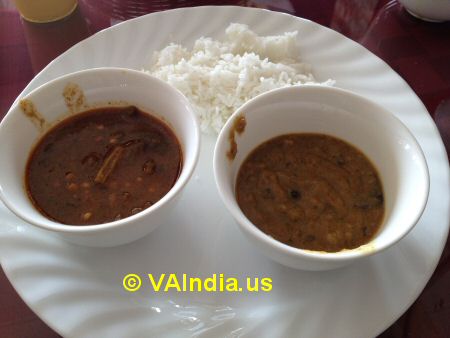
[[219, 76]]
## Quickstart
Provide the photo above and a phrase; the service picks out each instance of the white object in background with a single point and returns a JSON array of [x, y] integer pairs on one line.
[[428, 10]]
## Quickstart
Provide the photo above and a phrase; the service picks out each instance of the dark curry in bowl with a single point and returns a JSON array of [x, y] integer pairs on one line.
[[102, 165]]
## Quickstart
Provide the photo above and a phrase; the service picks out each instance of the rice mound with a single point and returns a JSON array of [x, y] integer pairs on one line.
[[218, 77]]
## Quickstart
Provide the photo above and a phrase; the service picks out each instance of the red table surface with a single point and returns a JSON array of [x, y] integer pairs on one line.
[[419, 51]]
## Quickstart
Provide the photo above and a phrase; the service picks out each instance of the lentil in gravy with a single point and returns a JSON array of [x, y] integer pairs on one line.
[[311, 191]]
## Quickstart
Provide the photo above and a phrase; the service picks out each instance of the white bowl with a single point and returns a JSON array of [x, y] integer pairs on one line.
[[428, 10], [101, 87], [336, 112]]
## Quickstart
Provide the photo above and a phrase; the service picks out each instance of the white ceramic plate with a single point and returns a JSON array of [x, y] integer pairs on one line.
[[78, 291]]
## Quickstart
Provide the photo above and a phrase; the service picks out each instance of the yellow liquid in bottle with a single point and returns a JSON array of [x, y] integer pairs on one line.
[[45, 10]]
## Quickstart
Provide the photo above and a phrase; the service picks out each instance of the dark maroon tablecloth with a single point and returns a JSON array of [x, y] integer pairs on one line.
[[417, 50]]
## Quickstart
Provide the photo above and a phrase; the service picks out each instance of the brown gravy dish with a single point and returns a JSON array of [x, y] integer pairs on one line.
[[311, 191], [102, 165]]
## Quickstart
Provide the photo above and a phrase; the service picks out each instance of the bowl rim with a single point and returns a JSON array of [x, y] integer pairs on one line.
[[181, 182], [252, 230]]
